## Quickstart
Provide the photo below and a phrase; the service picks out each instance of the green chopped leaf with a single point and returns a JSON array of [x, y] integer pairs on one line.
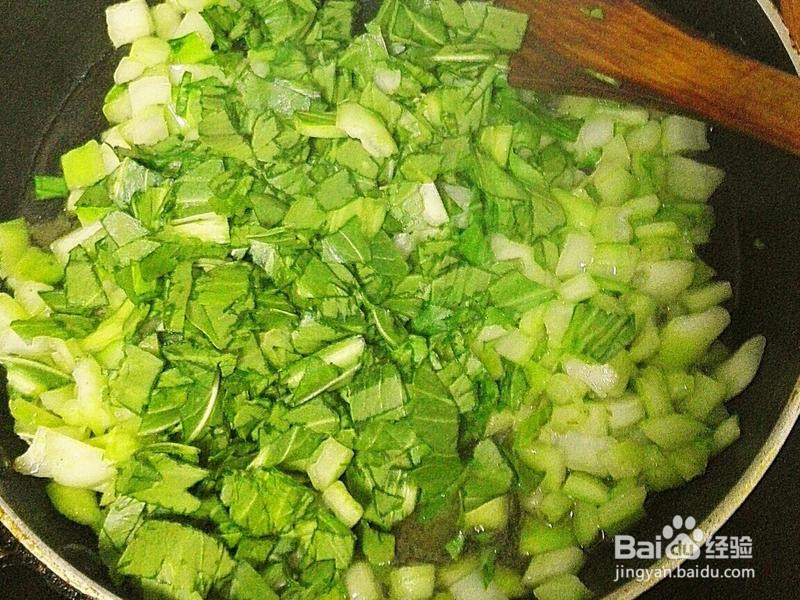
[[217, 131], [432, 412], [175, 561], [46, 187], [516, 292], [123, 517], [293, 449], [83, 289], [218, 299], [265, 502], [159, 480], [123, 228], [347, 245], [489, 475], [377, 546], [595, 12], [136, 378], [247, 584], [378, 392], [598, 334]]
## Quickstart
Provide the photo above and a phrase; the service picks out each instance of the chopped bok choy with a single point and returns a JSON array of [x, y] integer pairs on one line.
[[341, 313]]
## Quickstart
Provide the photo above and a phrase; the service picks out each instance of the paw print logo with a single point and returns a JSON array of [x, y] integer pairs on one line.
[[682, 539]]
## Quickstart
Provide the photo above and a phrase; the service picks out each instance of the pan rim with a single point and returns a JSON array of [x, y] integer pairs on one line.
[[775, 18], [741, 490]]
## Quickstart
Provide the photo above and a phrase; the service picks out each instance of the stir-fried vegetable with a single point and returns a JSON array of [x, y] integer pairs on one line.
[[328, 291]]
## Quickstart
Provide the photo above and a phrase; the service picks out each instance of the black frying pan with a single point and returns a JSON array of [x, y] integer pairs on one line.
[[56, 64]]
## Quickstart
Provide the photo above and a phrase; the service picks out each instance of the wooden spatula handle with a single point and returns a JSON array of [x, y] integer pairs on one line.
[[633, 45], [790, 11]]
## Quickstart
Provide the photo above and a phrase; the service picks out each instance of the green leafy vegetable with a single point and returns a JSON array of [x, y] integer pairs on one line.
[[342, 296], [377, 393], [265, 502], [598, 334], [47, 187], [168, 558]]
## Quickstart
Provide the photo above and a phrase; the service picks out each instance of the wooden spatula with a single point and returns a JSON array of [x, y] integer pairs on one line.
[[652, 59]]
